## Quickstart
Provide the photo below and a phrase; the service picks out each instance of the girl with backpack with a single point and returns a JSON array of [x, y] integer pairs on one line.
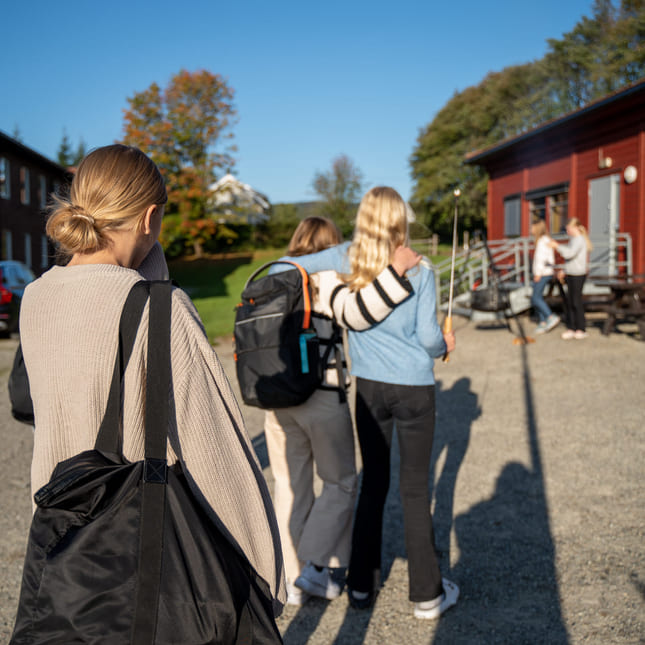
[[316, 531], [393, 365]]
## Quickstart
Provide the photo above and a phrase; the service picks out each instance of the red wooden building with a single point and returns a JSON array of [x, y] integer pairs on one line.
[[588, 164]]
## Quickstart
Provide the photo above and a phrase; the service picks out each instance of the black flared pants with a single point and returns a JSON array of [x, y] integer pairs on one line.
[[411, 409]]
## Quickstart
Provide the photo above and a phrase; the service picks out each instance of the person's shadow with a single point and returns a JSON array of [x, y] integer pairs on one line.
[[506, 569], [457, 409]]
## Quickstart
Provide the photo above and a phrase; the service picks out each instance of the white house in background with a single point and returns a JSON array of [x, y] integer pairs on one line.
[[233, 200]]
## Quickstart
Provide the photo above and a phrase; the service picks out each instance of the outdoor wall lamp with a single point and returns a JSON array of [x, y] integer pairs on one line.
[[630, 174]]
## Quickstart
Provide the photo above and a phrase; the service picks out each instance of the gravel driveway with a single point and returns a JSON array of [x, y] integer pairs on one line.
[[539, 499]]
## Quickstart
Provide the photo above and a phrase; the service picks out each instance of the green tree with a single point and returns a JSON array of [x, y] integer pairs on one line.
[[501, 106], [79, 155], [185, 128], [600, 55], [277, 230], [340, 189], [64, 155]]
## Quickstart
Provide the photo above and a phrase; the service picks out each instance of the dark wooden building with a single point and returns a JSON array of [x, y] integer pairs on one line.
[[588, 164], [27, 179]]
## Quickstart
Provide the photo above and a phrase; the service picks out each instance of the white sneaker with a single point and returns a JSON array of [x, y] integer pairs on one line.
[[434, 608], [296, 596], [552, 321], [568, 335], [579, 334], [318, 583]]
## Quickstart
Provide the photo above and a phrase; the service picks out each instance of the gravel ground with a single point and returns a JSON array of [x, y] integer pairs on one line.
[[539, 502]]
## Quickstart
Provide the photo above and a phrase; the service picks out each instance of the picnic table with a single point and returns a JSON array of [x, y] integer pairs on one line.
[[627, 300]]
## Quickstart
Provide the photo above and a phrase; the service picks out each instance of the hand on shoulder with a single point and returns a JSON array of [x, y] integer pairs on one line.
[[405, 259]]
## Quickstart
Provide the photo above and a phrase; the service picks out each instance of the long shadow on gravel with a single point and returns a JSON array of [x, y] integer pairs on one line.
[[506, 572]]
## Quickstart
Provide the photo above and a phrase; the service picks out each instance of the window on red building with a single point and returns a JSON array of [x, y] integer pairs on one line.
[[550, 204], [513, 216]]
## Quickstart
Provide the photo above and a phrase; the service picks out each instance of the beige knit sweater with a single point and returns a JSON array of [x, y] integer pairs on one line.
[[68, 328]]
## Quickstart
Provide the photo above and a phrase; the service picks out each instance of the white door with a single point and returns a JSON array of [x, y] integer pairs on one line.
[[604, 220]]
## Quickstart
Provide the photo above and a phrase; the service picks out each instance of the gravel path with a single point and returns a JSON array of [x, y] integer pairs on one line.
[[539, 501]]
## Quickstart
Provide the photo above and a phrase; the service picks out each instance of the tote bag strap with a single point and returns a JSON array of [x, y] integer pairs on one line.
[[110, 436], [153, 504]]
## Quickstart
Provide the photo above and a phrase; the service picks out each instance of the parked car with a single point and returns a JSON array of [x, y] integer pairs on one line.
[[14, 277]]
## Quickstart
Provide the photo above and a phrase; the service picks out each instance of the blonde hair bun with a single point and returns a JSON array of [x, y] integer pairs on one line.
[[111, 190]]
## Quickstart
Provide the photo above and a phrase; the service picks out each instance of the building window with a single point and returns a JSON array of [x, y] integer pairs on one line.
[[512, 216], [28, 249], [558, 206], [7, 245], [5, 178], [24, 185], [44, 252], [42, 191], [550, 204]]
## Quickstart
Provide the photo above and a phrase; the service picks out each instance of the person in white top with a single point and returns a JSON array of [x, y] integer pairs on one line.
[[543, 262]]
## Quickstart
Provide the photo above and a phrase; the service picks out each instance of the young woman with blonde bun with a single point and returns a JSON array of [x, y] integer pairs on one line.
[[69, 323], [316, 529], [576, 267], [393, 364]]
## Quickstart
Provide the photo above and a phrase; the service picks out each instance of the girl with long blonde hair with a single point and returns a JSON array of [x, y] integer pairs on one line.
[[576, 266], [393, 364], [316, 529]]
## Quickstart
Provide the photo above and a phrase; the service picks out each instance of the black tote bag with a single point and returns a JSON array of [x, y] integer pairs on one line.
[[22, 408], [122, 552]]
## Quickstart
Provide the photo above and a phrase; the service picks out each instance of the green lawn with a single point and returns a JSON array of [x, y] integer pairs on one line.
[[215, 285]]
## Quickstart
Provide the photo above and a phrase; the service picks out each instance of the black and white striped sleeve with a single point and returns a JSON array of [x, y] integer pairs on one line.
[[359, 310]]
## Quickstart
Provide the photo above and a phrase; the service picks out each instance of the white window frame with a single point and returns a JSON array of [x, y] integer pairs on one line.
[[5, 183]]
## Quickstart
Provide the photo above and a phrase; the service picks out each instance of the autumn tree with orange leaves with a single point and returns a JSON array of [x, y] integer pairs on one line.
[[186, 130]]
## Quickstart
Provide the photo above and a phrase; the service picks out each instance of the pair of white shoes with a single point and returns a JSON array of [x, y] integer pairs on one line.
[[314, 582], [578, 334]]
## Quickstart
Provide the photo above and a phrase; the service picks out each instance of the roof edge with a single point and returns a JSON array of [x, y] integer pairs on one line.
[[479, 155]]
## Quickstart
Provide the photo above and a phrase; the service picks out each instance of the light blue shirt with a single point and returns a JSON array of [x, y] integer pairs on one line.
[[401, 349]]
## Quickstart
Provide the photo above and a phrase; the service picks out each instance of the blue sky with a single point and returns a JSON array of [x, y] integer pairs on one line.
[[311, 80]]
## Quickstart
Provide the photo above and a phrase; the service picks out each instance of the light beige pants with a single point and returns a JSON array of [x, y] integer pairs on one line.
[[313, 528]]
